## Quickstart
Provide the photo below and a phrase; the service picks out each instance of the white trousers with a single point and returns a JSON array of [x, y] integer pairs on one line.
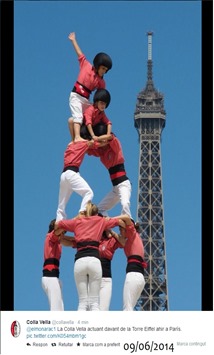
[[87, 275], [72, 182], [78, 104], [133, 286], [53, 289], [120, 193], [105, 293]]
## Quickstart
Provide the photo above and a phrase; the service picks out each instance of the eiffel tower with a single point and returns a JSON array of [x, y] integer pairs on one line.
[[149, 120]]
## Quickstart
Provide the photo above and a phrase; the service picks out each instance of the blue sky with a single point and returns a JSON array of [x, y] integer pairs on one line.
[[46, 68]]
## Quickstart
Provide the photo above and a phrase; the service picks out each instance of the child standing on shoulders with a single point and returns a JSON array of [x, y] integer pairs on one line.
[[90, 78]]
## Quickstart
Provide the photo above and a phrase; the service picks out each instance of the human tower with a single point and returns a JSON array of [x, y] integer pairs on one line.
[[94, 238]]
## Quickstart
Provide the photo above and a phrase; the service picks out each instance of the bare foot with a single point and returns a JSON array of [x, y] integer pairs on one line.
[[79, 139]]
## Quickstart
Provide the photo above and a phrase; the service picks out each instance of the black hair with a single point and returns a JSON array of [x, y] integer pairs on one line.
[[99, 129], [102, 59], [102, 95], [51, 225]]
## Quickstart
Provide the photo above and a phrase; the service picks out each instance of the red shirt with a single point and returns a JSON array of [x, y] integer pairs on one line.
[[93, 115], [87, 75], [108, 247], [88, 228], [52, 247], [134, 243], [75, 152], [111, 154]]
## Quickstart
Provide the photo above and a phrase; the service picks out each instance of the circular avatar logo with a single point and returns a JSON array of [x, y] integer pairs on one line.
[[15, 329]]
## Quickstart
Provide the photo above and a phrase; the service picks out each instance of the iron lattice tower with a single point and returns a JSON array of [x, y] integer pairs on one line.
[[149, 120]]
